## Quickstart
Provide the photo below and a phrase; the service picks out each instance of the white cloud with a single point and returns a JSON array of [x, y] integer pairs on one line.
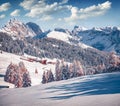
[[5, 7], [92, 11], [15, 13], [64, 1], [2, 16], [41, 8], [26, 4], [59, 19], [44, 11], [46, 18]]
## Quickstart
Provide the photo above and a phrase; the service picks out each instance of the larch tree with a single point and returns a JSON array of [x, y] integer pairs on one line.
[[57, 71], [18, 75]]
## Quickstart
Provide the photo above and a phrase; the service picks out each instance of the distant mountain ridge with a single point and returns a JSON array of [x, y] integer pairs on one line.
[[105, 39]]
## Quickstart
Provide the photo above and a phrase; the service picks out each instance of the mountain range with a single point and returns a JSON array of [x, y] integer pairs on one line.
[[104, 39]]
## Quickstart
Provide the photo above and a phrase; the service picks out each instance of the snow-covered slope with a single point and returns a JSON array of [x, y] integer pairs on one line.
[[78, 29], [59, 35], [7, 58], [63, 30], [64, 35], [94, 90], [17, 29], [106, 39]]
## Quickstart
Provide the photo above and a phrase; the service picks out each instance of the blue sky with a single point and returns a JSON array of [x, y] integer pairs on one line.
[[50, 14]]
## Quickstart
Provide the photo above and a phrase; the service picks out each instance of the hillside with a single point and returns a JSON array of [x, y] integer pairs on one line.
[[7, 58], [95, 90], [53, 48]]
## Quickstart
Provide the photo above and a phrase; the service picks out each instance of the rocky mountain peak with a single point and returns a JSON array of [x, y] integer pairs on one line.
[[17, 29]]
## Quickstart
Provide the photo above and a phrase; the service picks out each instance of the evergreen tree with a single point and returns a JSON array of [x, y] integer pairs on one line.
[[26, 79], [65, 72], [44, 80], [50, 76], [47, 77]]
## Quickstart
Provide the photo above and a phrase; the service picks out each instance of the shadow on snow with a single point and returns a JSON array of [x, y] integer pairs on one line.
[[107, 84]]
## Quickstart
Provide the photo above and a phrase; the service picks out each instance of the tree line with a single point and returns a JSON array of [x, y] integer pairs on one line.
[[64, 71]]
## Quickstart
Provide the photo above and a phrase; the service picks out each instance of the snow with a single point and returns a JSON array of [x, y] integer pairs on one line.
[[16, 28], [102, 38], [65, 37], [97, 29], [94, 90], [80, 28], [59, 35], [83, 45], [7, 58], [91, 39], [119, 28]]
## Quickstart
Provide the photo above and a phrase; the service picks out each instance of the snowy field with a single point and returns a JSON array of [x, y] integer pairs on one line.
[[7, 58], [94, 90]]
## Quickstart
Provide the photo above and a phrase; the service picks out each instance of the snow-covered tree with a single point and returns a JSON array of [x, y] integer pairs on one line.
[[57, 71], [79, 69], [76, 69], [18, 75], [114, 60], [71, 73]]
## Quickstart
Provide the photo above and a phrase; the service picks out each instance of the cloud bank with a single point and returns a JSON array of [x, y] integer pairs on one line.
[[45, 11], [92, 11], [42, 9]]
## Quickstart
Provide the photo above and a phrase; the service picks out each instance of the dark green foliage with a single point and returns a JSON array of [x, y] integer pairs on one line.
[[47, 77], [65, 72], [26, 80], [10, 45], [44, 80]]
